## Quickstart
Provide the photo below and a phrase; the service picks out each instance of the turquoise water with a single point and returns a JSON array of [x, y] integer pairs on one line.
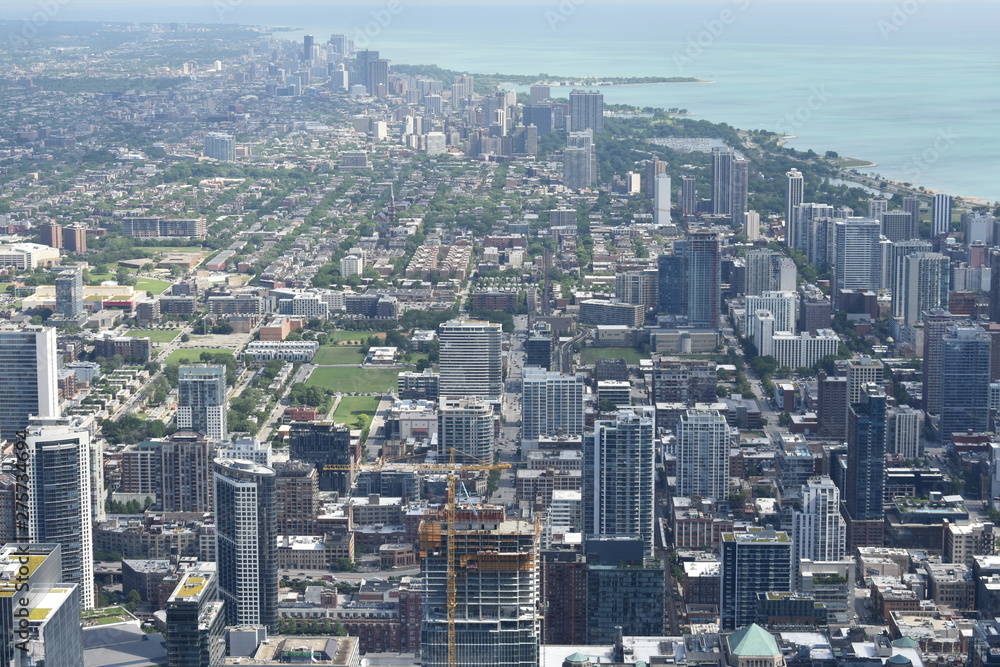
[[913, 85]]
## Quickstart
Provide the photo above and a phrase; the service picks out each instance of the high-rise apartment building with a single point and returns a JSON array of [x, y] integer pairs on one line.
[[52, 234], [59, 495], [297, 497], [624, 589], [186, 469], [378, 78], [866, 468], [704, 279], [466, 430], [794, 195], [196, 620], [923, 284], [586, 110], [818, 530], [220, 147], [965, 381], [757, 561], [902, 432], [784, 306], [201, 399], [877, 207], [580, 161], [637, 287], [32, 590], [28, 385], [940, 214], [69, 295], [911, 205], [899, 226], [619, 475], [730, 173], [689, 195], [326, 444], [470, 359], [672, 283], [768, 271], [551, 404], [857, 264], [661, 200], [246, 542], [497, 613], [936, 323], [703, 444], [896, 269]]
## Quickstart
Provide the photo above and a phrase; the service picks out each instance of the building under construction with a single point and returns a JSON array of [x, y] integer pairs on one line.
[[495, 591]]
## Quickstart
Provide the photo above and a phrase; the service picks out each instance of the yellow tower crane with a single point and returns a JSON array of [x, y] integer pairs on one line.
[[452, 468]]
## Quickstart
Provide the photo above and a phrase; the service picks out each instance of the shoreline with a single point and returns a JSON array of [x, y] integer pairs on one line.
[[624, 85]]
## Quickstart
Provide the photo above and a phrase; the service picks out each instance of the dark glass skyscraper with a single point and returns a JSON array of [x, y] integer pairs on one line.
[[965, 381], [672, 281], [866, 467], [704, 280], [247, 542]]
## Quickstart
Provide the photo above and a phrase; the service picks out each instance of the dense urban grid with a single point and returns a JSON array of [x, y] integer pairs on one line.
[[310, 357]]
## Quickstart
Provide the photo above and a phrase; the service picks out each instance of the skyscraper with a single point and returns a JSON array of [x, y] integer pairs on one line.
[[539, 93], [579, 161], [326, 444], [704, 280], [757, 561], [784, 306], [33, 592], [689, 195], [941, 214], [619, 474], [866, 468], [186, 469], [466, 430], [813, 229], [911, 205], [497, 614], [730, 173], [201, 399], [654, 167], [362, 58], [246, 542], [703, 444], [877, 206], [672, 283], [899, 225], [965, 381], [552, 404], [768, 271], [661, 201], [794, 195], [196, 622], [28, 384], [470, 359], [586, 110], [69, 295], [219, 146], [856, 248], [818, 529], [924, 282], [936, 323], [378, 78], [307, 47], [897, 260], [59, 482]]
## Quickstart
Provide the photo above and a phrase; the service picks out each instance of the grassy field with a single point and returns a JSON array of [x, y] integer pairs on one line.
[[193, 355], [98, 278], [155, 335], [592, 354], [352, 406], [332, 355], [347, 380], [352, 336], [152, 285]]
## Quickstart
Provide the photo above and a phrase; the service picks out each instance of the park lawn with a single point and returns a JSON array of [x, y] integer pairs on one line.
[[352, 406], [152, 285], [98, 278], [592, 354], [349, 380], [192, 355], [332, 355], [155, 335], [352, 336]]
